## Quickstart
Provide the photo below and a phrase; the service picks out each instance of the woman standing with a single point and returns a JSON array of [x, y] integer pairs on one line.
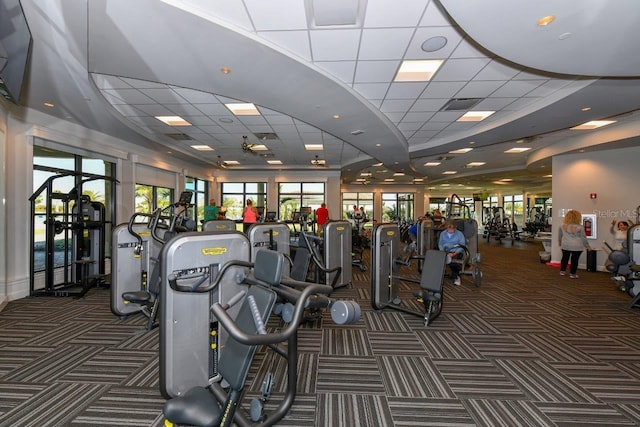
[[572, 241], [249, 216]]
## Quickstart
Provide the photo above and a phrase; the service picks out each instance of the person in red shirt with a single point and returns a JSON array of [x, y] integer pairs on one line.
[[322, 216]]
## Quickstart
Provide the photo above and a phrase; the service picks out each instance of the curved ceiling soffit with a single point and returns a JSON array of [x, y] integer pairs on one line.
[[260, 73], [558, 47]]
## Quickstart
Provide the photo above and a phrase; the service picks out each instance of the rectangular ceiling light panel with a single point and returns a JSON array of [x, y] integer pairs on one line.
[[417, 70]]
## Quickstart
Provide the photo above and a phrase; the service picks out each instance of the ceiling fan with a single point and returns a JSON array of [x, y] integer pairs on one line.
[[220, 163], [246, 147], [319, 163]]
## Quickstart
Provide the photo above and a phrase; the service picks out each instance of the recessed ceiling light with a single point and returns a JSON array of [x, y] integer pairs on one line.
[[336, 116], [585, 108], [274, 162], [475, 116], [542, 22], [517, 149], [398, 174], [593, 124], [432, 163], [173, 120], [474, 164], [243, 109], [49, 104], [506, 180], [357, 132], [417, 70], [378, 145], [202, 148], [449, 172], [225, 70], [547, 176], [418, 179], [313, 147], [365, 174], [461, 151], [500, 182], [389, 180], [259, 147], [377, 164], [232, 162]]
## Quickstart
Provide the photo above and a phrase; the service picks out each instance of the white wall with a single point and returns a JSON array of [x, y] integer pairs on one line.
[[613, 175]]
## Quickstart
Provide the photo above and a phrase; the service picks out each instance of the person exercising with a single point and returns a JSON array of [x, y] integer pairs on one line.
[[449, 239]]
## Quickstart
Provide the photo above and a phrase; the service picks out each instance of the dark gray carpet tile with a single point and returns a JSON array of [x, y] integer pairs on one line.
[[468, 323], [341, 374], [54, 406], [447, 345], [387, 343], [386, 321], [478, 379], [309, 340], [542, 382], [412, 376], [302, 413], [62, 333], [630, 368], [606, 382], [488, 308], [345, 342], [277, 367], [559, 326], [138, 338], [145, 376], [14, 357], [52, 366], [552, 348], [510, 324], [20, 332], [601, 325], [341, 410], [117, 406], [584, 414], [632, 412], [110, 366], [501, 346], [603, 348], [15, 394], [506, 413], [420, 412], [103, 335]]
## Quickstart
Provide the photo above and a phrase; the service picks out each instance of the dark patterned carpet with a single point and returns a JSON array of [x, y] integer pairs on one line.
[[527, 348]]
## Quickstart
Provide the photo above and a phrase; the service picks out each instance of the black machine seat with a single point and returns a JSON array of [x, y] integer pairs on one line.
[[431, 281]]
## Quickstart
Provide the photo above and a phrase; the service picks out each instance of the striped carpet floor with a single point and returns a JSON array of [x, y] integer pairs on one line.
[[527, 348]]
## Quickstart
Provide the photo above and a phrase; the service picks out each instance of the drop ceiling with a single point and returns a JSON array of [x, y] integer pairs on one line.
[[321, 74]]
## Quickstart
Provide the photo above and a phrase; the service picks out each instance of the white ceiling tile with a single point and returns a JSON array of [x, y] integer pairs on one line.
[[479, 89], [434, 16], [395, 117], [277, 14], [334, 45], [213, 109], [447, 116], [406, 90], [429, 104], [396, 105], [521, 103], [131, 96], [465, 49], [434, 126], [497, 70], [195, 96], [418, 116], [297, 42], [213, 129], [384, 13], [437, 89], [199, 120], [493, 104], [143, 84], [459, 69], [184, 109], [550, 87], [372, 90], [517, 88], [414, 51], [128, 110], [387, 43], [376, 71], [342, 70], [409, 126], [105, 81]]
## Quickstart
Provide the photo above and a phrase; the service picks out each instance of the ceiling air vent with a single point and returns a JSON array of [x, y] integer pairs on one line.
[[460, 104], [179, 136], [266, 136]]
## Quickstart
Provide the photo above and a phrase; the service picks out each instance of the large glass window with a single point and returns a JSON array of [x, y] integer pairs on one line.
[[236, 194], [364, 200], [294, 195], [200, 190], [514, 208], [57, 177], [397, 206], [150, 197]]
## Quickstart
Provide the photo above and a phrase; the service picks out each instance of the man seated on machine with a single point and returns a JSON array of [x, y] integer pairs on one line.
[[449, 242]]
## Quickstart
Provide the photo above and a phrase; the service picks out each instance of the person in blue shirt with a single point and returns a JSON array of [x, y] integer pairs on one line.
[[449, 238]]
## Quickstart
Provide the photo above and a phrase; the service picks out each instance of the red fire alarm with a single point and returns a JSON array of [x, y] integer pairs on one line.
[[593, 196]]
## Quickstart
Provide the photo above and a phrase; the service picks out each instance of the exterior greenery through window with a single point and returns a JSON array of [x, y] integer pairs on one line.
[[200, 199], [358, 199], [397, 206], [49, 162], [294, 195], [514, 208], [235, 195], [150, 197]]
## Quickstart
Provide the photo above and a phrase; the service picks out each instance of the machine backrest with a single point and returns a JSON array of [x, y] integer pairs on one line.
[[236, 358], [301, 261], [268, 266], [433, 270]]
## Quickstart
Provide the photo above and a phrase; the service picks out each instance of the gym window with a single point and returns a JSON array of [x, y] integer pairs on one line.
[[397, 206], [235, 195], [148, 198], [357, 199], [294, 195], [200, 199]]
